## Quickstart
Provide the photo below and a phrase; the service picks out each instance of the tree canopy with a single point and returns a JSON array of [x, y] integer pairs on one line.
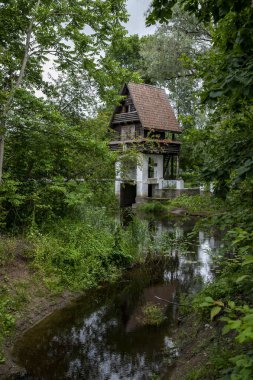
[[55, 127], [227, 74]]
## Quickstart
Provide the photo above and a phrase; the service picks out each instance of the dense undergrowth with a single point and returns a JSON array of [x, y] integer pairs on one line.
[[227, 303], [91, 246], [78, 252]]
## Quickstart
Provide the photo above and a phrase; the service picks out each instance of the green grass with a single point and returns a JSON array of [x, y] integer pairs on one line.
[[197, 203], [7, 250], [152, 207], [152, 315], [7, 320]]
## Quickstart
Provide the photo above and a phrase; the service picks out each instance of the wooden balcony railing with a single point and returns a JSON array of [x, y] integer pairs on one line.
[[147, 146], [125, 117]]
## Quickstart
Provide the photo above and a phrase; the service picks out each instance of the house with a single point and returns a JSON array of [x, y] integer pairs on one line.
[[145, 122]]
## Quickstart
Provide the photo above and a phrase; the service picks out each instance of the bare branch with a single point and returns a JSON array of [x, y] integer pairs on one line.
[[27, 47]]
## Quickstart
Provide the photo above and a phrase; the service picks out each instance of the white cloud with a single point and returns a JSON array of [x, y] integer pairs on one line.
[[136, 23]]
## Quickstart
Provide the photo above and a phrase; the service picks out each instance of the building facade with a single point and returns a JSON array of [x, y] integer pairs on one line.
[[145, 124]]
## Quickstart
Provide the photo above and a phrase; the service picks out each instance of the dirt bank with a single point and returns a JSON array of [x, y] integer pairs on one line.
[[33, 302]]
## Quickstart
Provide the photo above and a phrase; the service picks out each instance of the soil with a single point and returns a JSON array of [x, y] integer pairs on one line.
[[38, 305], [195, 340]]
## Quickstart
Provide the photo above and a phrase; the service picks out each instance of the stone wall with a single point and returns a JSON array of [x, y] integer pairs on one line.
[[173, 193]]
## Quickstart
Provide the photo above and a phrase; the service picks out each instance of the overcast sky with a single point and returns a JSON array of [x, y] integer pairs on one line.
[[135, 25], [137, 10]]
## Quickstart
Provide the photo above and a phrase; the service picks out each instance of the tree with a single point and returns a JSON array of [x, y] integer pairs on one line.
[[126, 51], [227, 74], [33, 31], [54, 161]]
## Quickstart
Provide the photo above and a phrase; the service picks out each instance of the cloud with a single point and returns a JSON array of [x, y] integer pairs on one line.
[[136, 23]]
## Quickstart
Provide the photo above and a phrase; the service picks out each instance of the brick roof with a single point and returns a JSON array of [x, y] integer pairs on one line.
[[153, 107]]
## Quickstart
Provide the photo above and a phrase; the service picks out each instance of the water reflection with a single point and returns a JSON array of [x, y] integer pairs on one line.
[[103, 335]]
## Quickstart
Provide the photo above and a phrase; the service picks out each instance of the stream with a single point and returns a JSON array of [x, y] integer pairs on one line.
[[104, 335]]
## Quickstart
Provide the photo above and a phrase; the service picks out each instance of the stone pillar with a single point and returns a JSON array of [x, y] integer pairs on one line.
[[142, 176], [117, 179], [159, 161], [180, 184]]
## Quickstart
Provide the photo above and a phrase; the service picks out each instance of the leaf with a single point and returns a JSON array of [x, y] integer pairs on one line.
[[231, 304], [248, 260], [241, 278], [245, 336], [219, 303], [235, 324], [209, 299], [215, 311], [226, 329]]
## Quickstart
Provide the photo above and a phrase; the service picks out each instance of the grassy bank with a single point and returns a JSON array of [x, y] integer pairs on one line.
[[205, 205], [74, 254], [71, 255]]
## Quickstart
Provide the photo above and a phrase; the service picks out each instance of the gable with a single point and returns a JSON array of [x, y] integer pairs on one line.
[[148, 105]]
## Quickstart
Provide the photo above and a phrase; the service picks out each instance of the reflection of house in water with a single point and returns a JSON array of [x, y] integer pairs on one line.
[[185, 269], [149, 296]]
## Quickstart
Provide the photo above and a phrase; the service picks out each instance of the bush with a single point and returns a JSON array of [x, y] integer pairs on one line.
[[198, 203], [154, 206], [152, 315]]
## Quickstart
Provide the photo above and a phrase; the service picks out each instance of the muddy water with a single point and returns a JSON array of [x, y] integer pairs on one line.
[[104, 335]]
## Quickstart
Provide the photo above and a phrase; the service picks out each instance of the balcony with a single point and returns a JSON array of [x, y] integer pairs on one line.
[[147, 146], [125, 117]]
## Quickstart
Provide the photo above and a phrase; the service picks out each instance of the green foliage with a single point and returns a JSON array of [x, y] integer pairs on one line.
[[152, 315], [169, 57], [197, 203], [7, 250], [152, 207], [56, 150], [77, 253], [223, 298], [135, 240], [7, 320], [69, 21], [53, 164], [226, 73], [216, 306], [126, 51]]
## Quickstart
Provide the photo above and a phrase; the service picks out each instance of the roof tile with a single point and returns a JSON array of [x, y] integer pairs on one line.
[[153, 107]]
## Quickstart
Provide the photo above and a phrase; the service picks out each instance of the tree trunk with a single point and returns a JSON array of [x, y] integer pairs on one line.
[[16, 86], [1, 155]]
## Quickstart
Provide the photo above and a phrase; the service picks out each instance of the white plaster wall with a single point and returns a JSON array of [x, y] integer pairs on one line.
[[117, 188], [142, 176], [142, 172], [139, 174]]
